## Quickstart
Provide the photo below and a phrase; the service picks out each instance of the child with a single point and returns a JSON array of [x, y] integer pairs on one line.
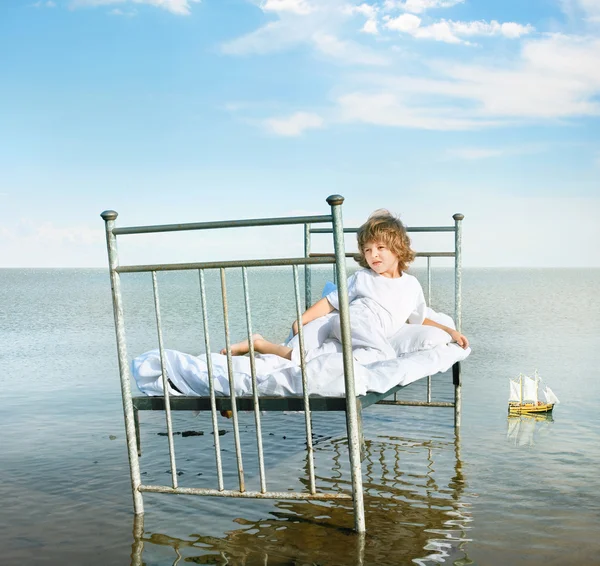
[[382, 296]]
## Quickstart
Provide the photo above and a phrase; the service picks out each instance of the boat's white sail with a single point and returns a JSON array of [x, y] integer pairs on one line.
[[515, 391], [530, 389], [550, 397]]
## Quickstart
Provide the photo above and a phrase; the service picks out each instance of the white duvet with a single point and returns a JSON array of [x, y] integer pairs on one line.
[[421, 351]]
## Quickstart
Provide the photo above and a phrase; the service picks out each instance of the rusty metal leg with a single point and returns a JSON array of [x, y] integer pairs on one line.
[[137, 548], [457, 393], [136, 422], [361, 436]]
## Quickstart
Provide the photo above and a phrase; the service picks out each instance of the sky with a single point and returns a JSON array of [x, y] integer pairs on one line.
[[172, 111]]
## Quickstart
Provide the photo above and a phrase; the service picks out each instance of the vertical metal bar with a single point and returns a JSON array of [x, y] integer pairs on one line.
[[236, 428], [307, 414], [137, 548], [307, 273], [335, 201], [259, 444], [109, 217], [138, 437], [165, 382], [457, 309], [456, 380], [428, 281], [361, 437], [360, 549], [458, 270], [429, 305], [211, 380]]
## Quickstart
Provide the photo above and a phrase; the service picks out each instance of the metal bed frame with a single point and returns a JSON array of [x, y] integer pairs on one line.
[[351, 404]]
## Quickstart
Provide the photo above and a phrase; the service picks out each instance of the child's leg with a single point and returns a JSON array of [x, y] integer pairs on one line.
[[261, 346]]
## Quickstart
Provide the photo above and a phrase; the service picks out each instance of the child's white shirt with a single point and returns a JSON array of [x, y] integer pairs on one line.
[[395, 301]]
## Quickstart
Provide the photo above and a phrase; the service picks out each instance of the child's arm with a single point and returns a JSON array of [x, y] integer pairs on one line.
[[320, 308], [457, 337]]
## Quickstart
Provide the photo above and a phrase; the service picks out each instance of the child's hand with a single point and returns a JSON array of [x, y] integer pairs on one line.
[[460, 339], [295, 327]]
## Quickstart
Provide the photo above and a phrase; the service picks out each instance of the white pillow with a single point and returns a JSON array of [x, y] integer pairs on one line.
[[415, 337]]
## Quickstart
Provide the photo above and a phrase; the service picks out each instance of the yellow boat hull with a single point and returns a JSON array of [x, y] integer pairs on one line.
[[518, 409]]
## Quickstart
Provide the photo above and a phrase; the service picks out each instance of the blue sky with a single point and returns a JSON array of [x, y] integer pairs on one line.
[[179, 110]]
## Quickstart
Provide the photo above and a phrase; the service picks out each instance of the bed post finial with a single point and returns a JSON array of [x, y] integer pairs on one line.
[[334, 200], [458, 216], [109, 215]]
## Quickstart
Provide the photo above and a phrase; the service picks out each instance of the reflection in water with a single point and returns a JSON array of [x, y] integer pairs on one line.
[[413, 505], [522, 429]]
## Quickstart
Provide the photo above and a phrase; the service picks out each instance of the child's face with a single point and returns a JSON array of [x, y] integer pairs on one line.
[[381, 259]]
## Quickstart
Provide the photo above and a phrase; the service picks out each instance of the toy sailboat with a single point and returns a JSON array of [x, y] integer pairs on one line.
[[523, 396]]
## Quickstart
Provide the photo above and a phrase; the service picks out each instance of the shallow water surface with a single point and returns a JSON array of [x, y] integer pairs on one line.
[[500, 491]]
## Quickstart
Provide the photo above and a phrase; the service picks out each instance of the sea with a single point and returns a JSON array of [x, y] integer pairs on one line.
[[498, 490]]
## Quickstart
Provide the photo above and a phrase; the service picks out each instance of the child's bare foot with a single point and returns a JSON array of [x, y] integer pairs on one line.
[[241, 348]]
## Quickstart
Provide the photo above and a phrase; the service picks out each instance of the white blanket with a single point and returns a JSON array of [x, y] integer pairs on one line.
[[280, 377]]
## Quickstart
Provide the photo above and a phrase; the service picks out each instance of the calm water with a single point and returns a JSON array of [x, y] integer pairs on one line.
[[505, 492]]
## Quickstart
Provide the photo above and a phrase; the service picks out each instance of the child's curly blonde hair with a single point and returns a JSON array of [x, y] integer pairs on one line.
[[382, 226]]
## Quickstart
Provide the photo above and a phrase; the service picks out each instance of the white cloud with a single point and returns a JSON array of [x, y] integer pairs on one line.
[[406, 22], [588, 9], [267, 39], [179, 7], [295, 124], [346, 51], [46, 4], [367, 10], [295, 6], [317, 29], [451, 31], [394, 109], [119, 12], [508, 29], [370, 12], [439, 31], [554, 77], [592, 9], [513, 30], [370, 27], [419, 6]]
